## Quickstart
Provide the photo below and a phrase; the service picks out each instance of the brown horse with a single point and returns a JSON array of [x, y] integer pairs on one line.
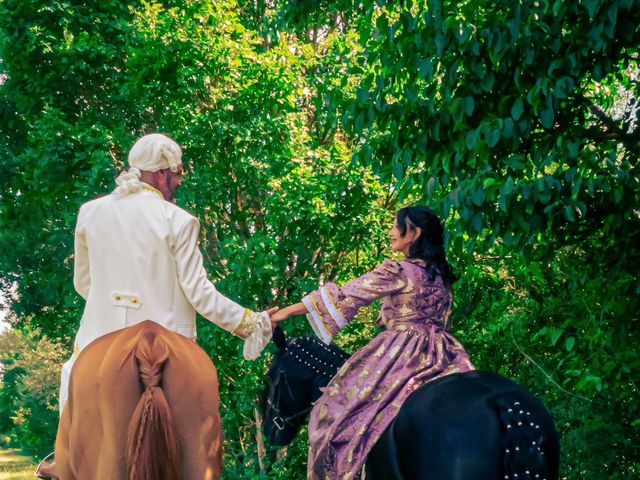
[[143, 405]]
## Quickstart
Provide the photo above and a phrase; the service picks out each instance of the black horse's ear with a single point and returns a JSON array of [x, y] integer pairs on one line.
[[279, 337]]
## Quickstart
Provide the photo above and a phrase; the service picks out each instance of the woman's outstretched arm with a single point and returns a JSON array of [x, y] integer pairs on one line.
[[290, 311]]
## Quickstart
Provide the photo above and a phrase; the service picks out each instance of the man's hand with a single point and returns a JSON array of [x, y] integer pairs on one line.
[[289, 311], [271, 312]]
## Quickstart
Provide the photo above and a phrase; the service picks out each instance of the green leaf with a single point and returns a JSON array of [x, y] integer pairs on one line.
[[468, 105], [569, 343], [477, 222], [547, 117], [382, 23], [397, 169], [555, 336], [472, 139], [562, 87], [507, 129], [487, 81], [569, 213], [488, 182], [618, 192], [517, 109], [591, 6], [362, 95], [478, 197], [515, 162], [426, 67], [492, 136]]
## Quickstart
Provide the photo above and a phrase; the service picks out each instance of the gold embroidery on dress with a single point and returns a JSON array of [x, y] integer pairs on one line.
[[405, 310], [365, 393], [350, 456], [367, 282], [409, 287], [343, 369], [315, 305], [333, 302], [323, 411], [247, 325], [380, 351], [378, 418], [327, 324], [352, 392], [333, 390], [394, 351]]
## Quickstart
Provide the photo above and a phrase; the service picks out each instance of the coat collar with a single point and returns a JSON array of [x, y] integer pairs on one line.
[[149, 188]]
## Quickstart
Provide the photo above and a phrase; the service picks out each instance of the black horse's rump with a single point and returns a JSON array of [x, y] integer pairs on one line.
[[472, 425], [464, 426]]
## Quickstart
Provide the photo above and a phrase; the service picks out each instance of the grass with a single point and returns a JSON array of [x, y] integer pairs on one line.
[[15, 466]]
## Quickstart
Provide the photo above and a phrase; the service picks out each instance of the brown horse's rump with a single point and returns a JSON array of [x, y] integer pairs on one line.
[[140, 367]]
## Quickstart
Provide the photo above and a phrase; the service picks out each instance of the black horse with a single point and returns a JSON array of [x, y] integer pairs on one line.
[[464, 426]]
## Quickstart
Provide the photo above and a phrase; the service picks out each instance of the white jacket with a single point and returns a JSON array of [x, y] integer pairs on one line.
[[137, 258]]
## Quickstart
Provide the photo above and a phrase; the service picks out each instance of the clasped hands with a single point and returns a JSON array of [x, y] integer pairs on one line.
[[277, 315]]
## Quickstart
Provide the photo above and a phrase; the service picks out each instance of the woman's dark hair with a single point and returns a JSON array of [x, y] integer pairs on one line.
[[429, 246]]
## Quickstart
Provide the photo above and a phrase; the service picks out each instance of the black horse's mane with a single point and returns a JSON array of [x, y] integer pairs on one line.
[[313, 354], [310, 356]]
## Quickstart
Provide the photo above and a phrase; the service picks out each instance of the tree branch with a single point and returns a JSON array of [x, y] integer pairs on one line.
[[545, 373], [612, 131]]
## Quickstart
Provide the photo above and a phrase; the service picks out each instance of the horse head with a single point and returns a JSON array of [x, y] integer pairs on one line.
[[300, 368]]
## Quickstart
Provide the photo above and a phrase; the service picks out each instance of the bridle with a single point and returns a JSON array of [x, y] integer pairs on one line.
[[278, 420], [316, 364]]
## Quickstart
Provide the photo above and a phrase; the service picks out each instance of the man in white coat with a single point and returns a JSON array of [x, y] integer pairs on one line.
[[137, 258]]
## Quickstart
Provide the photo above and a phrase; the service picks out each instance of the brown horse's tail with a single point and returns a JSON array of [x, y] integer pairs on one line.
[[152, 445]]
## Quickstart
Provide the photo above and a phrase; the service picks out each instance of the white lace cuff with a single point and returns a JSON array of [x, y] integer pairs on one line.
[[259, 337]]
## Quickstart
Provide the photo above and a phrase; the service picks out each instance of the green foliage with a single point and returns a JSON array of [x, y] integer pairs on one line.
[[568, 329], [304, 124], [279, 207], [501, 113], [30, 377]]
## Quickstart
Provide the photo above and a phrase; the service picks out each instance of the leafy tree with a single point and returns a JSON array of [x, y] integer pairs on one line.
[[304, 124], [29, 373], [518, 121], [279, 208], [62, 115]]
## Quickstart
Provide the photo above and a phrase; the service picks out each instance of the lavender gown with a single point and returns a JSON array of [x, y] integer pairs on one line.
[[367, 392]]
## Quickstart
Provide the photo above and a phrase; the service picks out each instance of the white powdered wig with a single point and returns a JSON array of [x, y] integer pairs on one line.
[[128, 182], [151, 153], [155, 152]]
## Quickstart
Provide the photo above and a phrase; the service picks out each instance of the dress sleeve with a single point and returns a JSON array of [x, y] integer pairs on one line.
[[332, 307], [253, 327]]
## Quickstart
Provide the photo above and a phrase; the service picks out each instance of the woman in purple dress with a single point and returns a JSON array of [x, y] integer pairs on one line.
[[415, 347]]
